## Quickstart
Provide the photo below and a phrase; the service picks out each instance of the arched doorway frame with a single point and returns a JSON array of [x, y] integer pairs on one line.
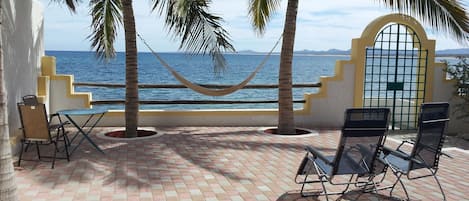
[[367, 39]]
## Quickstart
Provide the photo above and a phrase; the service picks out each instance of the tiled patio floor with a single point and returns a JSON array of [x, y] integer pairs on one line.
[[207, 163]]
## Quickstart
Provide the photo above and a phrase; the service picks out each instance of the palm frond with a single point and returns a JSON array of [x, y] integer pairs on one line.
[[71, 4], [160, 5], [200, 31], [260, 12], [449, 16], [106, 18]]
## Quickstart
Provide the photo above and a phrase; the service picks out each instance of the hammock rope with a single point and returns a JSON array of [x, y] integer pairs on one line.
[[205, 90]]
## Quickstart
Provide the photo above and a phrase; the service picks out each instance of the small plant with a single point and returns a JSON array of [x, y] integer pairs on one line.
[[460, 73]]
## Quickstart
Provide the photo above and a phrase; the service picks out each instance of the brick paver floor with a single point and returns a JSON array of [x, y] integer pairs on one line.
[[207, 163]]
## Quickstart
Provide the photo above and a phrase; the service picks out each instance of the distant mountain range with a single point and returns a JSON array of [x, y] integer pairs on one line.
[[453, 52], [440, 53], [327, 52]]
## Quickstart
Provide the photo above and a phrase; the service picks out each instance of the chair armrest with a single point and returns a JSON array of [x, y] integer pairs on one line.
[[412, 142], [435, 151], [59, 125], [51, 116], [445, 154], [400, 154], [316, 154], [54, 115]]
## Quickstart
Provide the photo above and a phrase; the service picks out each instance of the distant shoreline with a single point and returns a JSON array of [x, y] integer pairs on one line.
[[296, 53], [451, 55]]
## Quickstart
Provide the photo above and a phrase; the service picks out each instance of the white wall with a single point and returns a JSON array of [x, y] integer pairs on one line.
[[329, 111], [443, 91], [22, 36]]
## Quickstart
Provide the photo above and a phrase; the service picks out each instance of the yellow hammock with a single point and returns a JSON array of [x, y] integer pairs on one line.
[[205, 90]]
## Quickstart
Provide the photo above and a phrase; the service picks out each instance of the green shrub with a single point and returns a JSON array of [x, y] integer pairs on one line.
[[460, 72]]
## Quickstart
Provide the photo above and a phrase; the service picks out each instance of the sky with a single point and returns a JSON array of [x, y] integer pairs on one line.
[[321, 25]]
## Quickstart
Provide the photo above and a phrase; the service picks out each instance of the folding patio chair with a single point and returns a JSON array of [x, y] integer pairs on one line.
[[36, 130], [32, 100], [357, 153], [426, 149]]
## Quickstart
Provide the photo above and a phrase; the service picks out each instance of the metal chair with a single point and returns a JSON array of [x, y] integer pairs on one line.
[[37, 130], [426, 149], [357, 153]]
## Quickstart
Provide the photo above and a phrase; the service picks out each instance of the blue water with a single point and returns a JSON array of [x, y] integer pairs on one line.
[[198, 69]]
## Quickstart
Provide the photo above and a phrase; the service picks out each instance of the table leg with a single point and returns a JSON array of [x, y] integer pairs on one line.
[[85, 134]]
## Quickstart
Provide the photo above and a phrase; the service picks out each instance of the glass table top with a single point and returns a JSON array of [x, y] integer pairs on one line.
[[87, 111]]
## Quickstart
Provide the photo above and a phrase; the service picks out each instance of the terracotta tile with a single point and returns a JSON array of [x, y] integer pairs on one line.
[[208, 163]]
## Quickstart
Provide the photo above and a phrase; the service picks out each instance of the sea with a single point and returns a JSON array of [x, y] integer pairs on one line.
[[86, 67]]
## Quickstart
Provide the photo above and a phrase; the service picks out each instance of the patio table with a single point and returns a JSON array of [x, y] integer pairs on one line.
[[90, 123]]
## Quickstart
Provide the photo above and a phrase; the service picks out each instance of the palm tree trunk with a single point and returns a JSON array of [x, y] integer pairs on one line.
[[131, 71], [286, 118], [7, 173]]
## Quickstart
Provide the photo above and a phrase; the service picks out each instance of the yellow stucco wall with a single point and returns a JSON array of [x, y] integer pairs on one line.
[[48, 71]]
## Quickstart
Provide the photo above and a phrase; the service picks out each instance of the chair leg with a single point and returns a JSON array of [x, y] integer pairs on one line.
[[348, 184], [382, 178], [55, 154], [66, 137], [21, 152], [303, 186], [375, 186], [26, 149], [57, 139], [398, 179], [301, 169], [439, 185], [321, 178], [305, 181], [37, 150], [405, 189], [66, 147]]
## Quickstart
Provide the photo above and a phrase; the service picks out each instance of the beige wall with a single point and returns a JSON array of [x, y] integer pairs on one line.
[[22, 36]]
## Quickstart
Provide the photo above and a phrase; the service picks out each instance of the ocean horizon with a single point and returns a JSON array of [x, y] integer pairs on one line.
[[329, 52]]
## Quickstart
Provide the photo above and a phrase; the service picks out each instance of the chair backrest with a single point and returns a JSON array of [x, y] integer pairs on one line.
[[30, 100], [361, 140], [34, 122], [430, 137]]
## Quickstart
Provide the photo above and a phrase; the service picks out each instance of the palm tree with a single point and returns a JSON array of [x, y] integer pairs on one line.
[[7, 174], [446, 15], [199, 30]]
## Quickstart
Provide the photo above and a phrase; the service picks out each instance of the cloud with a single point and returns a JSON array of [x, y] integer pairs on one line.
[[330, 13], [320, 25]]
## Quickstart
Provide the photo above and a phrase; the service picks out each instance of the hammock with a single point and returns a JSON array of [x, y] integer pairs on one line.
[[205, 90]]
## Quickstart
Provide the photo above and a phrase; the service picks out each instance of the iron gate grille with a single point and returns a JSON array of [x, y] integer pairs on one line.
[[395, 69]]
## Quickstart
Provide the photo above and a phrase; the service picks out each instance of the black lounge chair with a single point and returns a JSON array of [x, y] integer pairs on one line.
[[357, 153], [426, 149], [37, 130]]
